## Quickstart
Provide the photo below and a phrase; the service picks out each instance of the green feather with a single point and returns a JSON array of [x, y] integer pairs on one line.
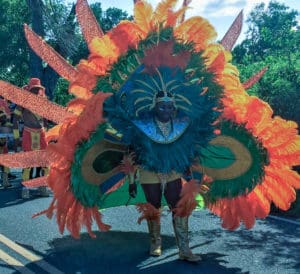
[[247, 181]]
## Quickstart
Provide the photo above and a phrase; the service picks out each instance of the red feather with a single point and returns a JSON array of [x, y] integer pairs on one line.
[[162, 55]]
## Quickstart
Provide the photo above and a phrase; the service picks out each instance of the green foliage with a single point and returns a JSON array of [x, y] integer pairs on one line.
[[272, 41], [14, 61], [111, 17], [270, 29], [61, 94], [59, 25]]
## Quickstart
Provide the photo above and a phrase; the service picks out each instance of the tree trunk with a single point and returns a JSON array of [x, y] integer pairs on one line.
[[35, 62]]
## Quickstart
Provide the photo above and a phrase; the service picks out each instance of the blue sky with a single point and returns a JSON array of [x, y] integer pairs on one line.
[[220, 13]]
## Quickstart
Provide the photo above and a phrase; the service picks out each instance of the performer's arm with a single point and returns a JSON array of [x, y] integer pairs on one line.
[[129, 168]]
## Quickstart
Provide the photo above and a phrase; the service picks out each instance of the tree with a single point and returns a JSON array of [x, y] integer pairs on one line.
[[270, 28], [272, 40], [18, 62], [13, 49]]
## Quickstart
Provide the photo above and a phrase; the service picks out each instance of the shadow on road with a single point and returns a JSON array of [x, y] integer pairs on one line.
[[12, 196], [278, 246], [118, 252]]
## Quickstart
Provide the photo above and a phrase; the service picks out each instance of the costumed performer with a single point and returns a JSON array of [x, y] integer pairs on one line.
[[33, 136], [164, 120], [160, 107]]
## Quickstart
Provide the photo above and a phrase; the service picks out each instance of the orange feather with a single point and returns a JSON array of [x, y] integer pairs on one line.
[[280, 194], [148, 212], [245, 209], [125, 35], [25, 159], [262, 202], [76, 106], [229, 219], [40, 181], [87, 220], [98, 218], [174, 17], [187, 202], [63, 206]]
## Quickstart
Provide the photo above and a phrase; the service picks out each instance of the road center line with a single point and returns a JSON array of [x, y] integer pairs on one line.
[[29, 255], [17, 265]]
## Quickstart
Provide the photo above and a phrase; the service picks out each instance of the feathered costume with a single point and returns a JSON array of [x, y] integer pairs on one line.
[[241, 153]]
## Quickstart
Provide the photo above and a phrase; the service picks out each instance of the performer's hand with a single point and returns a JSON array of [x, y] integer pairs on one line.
[[132, 190]]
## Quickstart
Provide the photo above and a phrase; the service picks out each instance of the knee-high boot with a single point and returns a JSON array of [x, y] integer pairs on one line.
[[180, 225], [155, 238]]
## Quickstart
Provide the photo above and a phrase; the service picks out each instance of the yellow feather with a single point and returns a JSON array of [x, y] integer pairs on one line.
[[143, 12], [161, 11], [104, 47], [231, 69], [53, 132], [197, 30], [211, 52]]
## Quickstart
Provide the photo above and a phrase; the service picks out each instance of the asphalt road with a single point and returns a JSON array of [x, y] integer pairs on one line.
[[35, 246]]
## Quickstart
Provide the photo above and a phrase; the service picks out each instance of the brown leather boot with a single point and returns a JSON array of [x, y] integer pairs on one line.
[[155, 238], [180, 225]]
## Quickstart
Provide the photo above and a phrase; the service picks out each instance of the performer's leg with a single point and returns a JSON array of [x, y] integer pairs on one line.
[[25, 176], [26, 172], [43, 190], [153, 196], [172, 193], [180, 224], [5, 181], [181, 230]]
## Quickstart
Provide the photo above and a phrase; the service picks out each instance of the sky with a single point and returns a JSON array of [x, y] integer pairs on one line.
[[220, 13]]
